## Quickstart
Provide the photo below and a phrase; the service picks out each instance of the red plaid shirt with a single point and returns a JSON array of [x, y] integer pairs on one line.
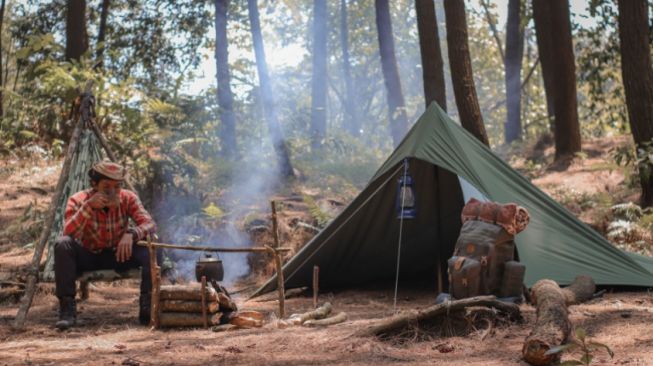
[[97, 229]]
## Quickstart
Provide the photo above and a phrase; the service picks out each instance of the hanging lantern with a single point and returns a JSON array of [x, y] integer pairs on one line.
[[406, 202]]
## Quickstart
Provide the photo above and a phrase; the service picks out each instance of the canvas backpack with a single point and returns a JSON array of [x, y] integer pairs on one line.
[[483, 261]]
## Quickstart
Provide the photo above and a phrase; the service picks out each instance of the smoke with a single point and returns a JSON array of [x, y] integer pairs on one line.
[[252, 180]]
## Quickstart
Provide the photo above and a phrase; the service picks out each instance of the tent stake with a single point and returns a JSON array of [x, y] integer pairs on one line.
[[316, 282]]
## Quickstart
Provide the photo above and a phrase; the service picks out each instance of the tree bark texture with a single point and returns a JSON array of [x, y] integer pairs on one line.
[[395, 97], [512, 65], [278, 140], [429, 44], [352, 121], [186, 292], [102, 31], [186, 306], [225, 96], [187, 319], [76, 36], [637, 77], [552, 327], [461, 70], [319, 81], [552, 23]]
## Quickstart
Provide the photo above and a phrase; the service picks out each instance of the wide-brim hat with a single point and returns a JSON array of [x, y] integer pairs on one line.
[[110, 170]]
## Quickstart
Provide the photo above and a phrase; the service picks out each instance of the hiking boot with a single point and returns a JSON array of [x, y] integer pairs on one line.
[[144, 311], [67, 313]]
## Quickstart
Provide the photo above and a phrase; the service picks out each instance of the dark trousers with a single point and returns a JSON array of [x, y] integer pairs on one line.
[[71, 259]]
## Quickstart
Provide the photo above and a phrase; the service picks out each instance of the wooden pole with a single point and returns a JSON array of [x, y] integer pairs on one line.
[[33, 274], [203, 294], [316, 283], [280, 282], [210, 249], [275, 224], [156, 285], [439, 276]]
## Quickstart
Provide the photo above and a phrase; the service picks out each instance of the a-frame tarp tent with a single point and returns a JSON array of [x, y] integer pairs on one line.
[[360, 244]]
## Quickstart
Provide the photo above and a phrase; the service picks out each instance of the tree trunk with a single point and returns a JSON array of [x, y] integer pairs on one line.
[[553, 25], [102, 31], [76, 36], [188, 319], [319, 84], [352, 122], [225, 96], [637, 77], [2, 80], [395, 97], [461, 70], [429, 44], [512, 65], [278, 140]]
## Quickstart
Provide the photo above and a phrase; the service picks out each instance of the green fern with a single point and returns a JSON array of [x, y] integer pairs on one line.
[[321, 217]]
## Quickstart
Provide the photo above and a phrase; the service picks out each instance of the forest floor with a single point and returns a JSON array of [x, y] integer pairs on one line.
[[109, 334]]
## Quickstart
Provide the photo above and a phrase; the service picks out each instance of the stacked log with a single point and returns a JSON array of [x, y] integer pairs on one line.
[[186, 306]]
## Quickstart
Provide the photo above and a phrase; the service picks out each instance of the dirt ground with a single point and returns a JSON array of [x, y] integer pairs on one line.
[[110, 335]]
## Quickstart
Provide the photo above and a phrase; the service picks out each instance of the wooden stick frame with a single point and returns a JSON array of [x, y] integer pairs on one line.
[[156, 282]]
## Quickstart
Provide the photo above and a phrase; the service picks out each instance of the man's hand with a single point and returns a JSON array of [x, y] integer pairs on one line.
[[124, 249], [98, 200]]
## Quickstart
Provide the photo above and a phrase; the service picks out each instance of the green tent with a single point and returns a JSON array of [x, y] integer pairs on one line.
[[448, 166]]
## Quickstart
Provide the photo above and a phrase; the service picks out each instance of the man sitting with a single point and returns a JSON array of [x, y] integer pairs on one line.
[[97, 235]]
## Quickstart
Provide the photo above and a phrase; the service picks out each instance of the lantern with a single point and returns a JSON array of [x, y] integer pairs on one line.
[[406, 202]]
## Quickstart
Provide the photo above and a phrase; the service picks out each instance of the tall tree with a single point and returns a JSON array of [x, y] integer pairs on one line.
[[461, 70], [278, 140], [546, 52], [76, 36], [102, 31], [553, 28], [395, 96], [512, 65], [638, 83], [225, 96], [429, 44], [2, 80], [319, 84], [352, 122]]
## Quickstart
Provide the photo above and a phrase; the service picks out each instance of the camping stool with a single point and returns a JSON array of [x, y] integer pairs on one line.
[[105, 275]]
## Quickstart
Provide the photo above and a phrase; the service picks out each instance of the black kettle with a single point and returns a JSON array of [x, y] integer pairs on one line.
[[210, 267]]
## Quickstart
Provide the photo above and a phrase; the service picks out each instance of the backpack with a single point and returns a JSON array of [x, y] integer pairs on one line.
[[483, 262]]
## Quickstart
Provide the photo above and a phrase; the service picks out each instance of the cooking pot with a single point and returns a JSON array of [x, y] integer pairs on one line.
[[209, 266]]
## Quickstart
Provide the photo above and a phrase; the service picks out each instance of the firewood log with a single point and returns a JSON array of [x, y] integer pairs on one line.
[[319, 313], [226, 304], [187, 306], [187, 319], [341, 317], [186, 292], [553, 326]]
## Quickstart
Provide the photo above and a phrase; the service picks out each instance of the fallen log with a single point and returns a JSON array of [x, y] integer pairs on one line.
[[553, 326], [186, 292], [405, 319], [319, 313], [341, 317], [187, 319], [187, 306], [581, 290]]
